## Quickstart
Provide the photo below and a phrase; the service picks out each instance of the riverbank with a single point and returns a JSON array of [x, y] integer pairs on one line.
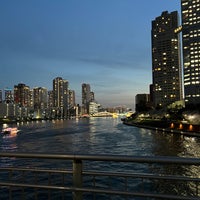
[[168, 127], [7, 121]]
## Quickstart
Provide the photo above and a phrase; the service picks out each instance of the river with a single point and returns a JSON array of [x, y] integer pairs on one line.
[[97, 136]]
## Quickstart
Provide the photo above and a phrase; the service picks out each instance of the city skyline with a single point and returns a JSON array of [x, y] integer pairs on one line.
[[105, 44]]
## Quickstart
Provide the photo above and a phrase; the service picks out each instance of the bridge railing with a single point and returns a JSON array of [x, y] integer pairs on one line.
[[84, 178]]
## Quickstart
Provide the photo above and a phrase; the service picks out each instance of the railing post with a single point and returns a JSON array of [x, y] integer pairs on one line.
[[77, 178]]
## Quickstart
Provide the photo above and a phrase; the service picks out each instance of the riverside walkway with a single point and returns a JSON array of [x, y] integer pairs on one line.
[[178, 128]]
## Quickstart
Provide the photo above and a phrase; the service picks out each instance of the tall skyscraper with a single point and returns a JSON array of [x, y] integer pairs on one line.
[[22, 95], [166, 64], [191, 49], [86, 98], [61, 90], [72, 102], [40, 98]]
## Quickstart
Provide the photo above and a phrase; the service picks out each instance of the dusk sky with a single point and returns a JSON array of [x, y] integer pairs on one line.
[[105, 43]]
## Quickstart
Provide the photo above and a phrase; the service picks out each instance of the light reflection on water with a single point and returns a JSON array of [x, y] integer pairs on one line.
[[100, 136]]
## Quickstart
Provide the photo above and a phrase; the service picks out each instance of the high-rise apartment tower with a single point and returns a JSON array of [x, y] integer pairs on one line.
[[40, 98], [22, 95], [166, 64], [60, 92]]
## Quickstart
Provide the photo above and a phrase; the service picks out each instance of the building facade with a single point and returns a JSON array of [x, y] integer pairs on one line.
[[8, 95], [50, 99], [166, 62], [61, 97], [40, 98], [92, 98], [93, 107], [191, 49], [22, 95], [86, 98], [142, 102], [72, 99], [72, 104]]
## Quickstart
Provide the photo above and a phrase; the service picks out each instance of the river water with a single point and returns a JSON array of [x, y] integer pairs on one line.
[[96, 136]]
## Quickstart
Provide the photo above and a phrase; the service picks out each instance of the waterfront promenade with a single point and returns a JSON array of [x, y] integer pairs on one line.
[[173, 128]]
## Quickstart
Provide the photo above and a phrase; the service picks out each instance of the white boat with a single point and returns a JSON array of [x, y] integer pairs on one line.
[[9, 131]]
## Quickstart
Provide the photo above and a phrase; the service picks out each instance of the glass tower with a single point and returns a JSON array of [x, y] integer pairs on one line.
[[191, 49]]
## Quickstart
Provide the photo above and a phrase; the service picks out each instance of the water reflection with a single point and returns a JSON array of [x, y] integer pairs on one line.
[[8, 144], [105, 136], [191, 147], [100, 135], [165, 144]]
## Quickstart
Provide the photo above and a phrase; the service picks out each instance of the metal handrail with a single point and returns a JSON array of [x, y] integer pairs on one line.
[[77, 173], [112, 158]]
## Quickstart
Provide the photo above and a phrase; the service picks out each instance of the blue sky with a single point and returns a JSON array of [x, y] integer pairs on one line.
[[106, 43]]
